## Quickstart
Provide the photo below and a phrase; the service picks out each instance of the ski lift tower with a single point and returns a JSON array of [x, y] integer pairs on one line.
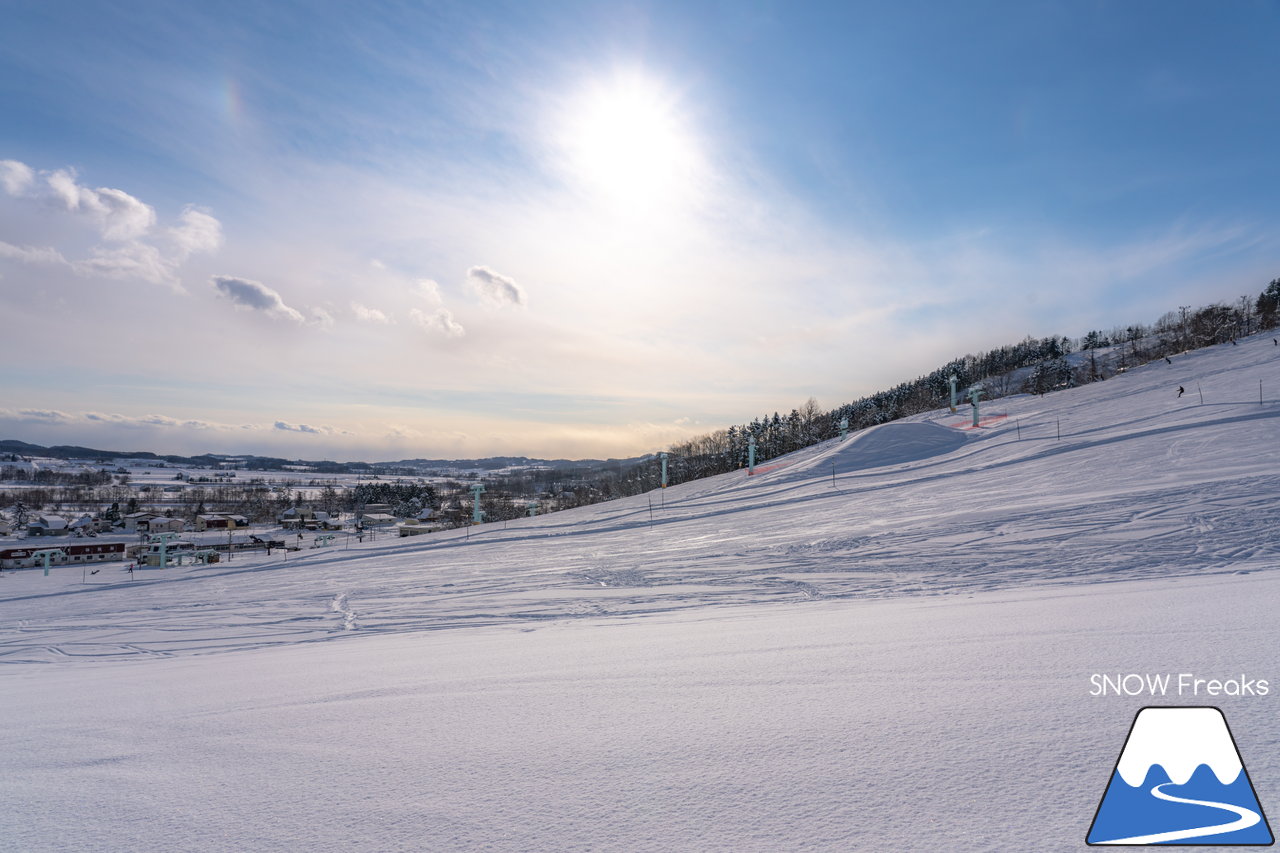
[[975, 393], [476, 513], [844, 426], [664, 468], [953, 379], [163, 540], [47, 554]]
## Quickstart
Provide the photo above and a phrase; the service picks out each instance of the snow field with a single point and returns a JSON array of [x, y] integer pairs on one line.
[[903, 724], [898, 660]]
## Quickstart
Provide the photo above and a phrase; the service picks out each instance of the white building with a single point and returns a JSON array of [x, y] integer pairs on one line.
[[47, 525]]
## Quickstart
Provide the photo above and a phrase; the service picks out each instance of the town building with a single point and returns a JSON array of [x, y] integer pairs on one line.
[[220, 521], [22, 558], [47, 525]]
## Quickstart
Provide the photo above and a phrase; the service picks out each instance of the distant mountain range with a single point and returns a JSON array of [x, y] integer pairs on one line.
[[271, 463]]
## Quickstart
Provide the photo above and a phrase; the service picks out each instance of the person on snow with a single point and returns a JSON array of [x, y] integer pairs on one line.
[[1181, 390]]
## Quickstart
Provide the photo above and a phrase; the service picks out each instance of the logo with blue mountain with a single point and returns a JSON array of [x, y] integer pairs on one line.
[[1180, 781]]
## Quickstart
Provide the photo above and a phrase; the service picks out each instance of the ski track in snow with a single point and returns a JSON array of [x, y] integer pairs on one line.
[[341, 606]]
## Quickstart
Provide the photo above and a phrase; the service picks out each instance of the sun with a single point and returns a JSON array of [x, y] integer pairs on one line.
[[627, 142]]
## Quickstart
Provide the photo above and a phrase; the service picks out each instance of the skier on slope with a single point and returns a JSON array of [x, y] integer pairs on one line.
[[1181, 390]]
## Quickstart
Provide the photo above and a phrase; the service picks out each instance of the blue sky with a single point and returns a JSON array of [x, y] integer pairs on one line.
[[382, 230]]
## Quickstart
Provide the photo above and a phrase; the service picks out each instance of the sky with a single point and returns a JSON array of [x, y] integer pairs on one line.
[[392, 230]]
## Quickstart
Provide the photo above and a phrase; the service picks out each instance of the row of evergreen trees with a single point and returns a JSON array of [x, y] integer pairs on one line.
[[1034, 365]]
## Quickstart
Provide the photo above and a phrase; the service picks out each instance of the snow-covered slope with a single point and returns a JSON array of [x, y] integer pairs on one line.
[[879, 643], [1139, 484]]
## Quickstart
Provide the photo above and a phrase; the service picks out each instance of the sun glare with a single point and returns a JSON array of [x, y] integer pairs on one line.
[[627, 142]]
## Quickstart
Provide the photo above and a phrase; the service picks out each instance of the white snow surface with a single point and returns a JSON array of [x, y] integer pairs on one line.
[[889, 655], [1179, 740]]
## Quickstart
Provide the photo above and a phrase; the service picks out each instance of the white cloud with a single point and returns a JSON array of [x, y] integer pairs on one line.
[[106, 418], [284, 426], [196, 232], [144, 421], [46, 416], [365, 314], [287, 427], [31, 254], [63, 184], [440, 321], [131, 260], [495, 287], [122, 221], [15, 177], [118, 215], [254, 296], [159, 420], [429, 290]]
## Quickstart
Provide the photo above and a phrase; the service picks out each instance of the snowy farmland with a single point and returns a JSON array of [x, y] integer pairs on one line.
[[879, 643]]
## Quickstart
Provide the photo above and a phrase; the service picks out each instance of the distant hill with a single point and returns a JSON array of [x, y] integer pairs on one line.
[[271, 463]]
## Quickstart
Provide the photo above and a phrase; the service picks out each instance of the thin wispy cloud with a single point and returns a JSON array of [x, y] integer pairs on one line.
[[133, 260], [321, 319], [365, 314], [32, 254], [53, 417], [43, 416], [143, 421], [439, 321]]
